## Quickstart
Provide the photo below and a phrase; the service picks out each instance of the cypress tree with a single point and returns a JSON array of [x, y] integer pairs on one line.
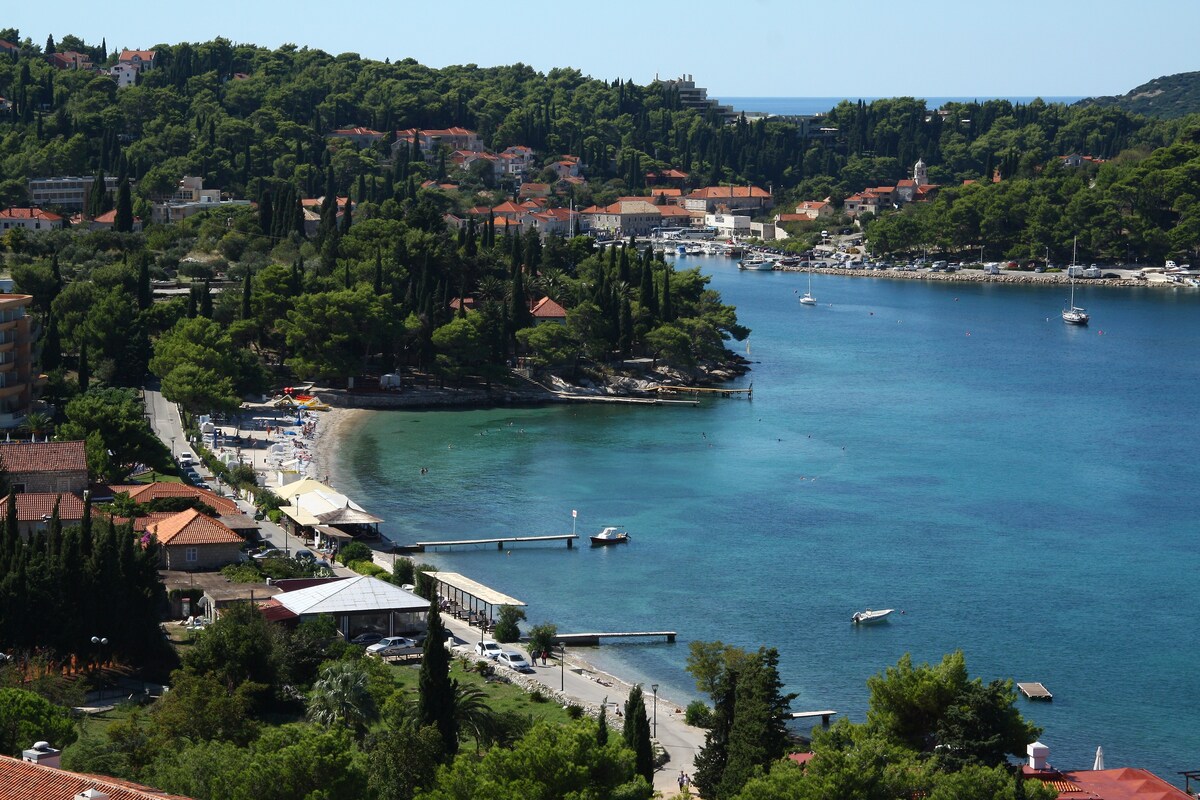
[[347, 218], [145, 295], [85, 526], [666, 310], [124, 219], [710, 761], [85, 374], [206, 307], [246, 295], [636, 733], [757, 736], [436, 703], [602, 728], [378, 273], [266, 214], [52, 349], [12, 534]]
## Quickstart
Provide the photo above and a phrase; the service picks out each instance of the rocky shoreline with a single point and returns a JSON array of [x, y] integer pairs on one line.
[[977, 276], [640, 380]]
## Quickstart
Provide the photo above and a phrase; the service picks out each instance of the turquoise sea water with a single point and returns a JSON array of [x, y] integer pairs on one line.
[[1021, 489], [820, 105]]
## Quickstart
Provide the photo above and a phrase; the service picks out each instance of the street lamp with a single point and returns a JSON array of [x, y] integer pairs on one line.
[[654, 688], [562, 660]]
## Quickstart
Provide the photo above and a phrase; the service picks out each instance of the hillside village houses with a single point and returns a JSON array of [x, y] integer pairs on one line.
[[30, 219], [871, 201], [131, 64], [190, 198]]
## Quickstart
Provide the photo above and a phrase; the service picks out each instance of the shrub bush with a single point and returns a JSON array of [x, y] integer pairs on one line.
[[506, 629], [698, 714], [355, 551]]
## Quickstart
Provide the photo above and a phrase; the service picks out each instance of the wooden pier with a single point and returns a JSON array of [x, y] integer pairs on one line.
[[697, 390], [1035, 691], [499, 541], [824, 715], [593, 639], [629, 401]]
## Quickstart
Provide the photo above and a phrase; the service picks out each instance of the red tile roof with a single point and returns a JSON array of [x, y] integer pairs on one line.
[[18, 457], [20, 780], [191, 527], [665, 191], [548, 309], [8, 45], [719, 192], [35, 506], [1127, 783], [356, 132], [29, 213], [145, 55], [145, 492]]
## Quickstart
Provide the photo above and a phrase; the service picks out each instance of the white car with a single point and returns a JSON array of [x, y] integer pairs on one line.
[[488, 649], [514, 660], [389, 645]]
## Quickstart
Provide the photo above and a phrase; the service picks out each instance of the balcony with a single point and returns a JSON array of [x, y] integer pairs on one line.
[[12, 391]]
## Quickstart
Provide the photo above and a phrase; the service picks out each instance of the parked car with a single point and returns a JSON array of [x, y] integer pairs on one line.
[[267, 550], [488, 649], [304, 555], [368, 638], [514, 660], [390, 645]]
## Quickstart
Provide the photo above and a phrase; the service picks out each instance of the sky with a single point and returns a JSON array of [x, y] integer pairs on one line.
[[745, 48]]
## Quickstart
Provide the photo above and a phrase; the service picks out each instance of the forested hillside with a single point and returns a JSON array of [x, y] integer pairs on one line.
[[1165, 97]]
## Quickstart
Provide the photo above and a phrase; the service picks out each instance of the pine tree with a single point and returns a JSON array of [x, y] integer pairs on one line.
[[757, 736], [636, 733], [378, 273], [436, 703], [710, 761]]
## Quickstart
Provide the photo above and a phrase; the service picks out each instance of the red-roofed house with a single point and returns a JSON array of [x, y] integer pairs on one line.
[[69, 59], [546, 310], [553, 221], [55, 467], [31, 219], [1127, 783], [728, 199], [361, 137], [666, 177], [35, 509], [627, 216], [669, 192], [131, 64], [534, 190], [812, 209], [8, 47], [21, 780], [192, 541], [432, 138], [145, 492], [108, 220]]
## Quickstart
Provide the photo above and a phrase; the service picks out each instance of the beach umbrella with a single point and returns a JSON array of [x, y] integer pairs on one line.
[[1099, 759]]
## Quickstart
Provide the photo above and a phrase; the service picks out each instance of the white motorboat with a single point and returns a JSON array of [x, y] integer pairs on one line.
[[757, 263], [869, 617], [610, 535], [807, 299]]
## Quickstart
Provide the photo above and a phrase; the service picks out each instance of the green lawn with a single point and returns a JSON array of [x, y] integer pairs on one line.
[[502, 697]]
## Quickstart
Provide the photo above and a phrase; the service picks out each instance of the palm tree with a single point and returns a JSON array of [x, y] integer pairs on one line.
[[340, 697], [472, 713], [37, 423]]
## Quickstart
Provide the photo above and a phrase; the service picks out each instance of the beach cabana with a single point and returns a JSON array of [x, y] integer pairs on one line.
[[307, 512], [469, 598]]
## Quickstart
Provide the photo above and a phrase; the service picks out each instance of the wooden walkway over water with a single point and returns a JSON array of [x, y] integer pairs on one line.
[[824, 715], [697, 390], [1035, 691], [593, 639], [499, 541]]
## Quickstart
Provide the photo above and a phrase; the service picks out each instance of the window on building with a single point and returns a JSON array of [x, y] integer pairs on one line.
[[191, 554]]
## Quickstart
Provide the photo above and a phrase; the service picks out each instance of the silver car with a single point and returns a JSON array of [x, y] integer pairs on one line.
[[514, 660]]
